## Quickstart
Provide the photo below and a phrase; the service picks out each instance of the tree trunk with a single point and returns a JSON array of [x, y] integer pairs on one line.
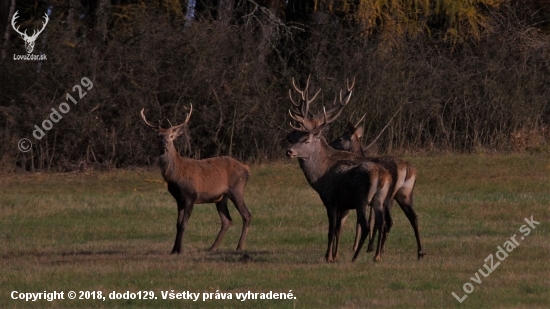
[[103, 14], [5, 3]]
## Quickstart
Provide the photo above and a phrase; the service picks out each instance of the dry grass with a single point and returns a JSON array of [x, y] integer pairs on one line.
[[113, 231]]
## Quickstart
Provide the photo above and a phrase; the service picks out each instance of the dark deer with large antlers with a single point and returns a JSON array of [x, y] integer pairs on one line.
[[403, 174], [191, 182], [343, 181]]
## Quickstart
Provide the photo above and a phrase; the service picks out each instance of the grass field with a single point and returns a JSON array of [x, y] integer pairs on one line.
[[114, 231]]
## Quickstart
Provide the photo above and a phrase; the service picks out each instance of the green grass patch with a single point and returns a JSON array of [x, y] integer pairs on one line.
[[114, 231]]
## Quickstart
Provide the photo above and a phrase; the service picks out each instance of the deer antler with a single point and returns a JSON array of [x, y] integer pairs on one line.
[[156, 128], [186, 118], [360, 120], [314, 123], [305, 101]]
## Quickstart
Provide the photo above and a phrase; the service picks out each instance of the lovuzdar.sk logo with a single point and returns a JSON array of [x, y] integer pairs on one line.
[[29, 40]]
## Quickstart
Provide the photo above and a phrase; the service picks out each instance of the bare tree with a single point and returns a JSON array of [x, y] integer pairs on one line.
[[8, 29]]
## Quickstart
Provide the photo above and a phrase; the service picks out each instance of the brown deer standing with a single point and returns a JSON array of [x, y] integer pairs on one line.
[[193, 182], [343, 180], [402, 172]]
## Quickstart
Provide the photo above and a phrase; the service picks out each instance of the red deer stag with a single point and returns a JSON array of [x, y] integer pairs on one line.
[[402, 172], [193, 182], [342, 180]]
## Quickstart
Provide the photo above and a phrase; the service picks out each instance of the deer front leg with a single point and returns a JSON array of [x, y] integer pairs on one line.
[[341, 220], [332, 217], [184, 213], [179, 230]]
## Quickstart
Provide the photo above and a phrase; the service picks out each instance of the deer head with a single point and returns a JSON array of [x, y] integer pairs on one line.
[[167, 136], [29, 40], [306, 135], [351, 138]]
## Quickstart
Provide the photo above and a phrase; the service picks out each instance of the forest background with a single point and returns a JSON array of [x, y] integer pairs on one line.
[[467, 76]]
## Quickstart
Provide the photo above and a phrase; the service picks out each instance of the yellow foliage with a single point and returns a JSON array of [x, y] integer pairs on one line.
[[458, 19]]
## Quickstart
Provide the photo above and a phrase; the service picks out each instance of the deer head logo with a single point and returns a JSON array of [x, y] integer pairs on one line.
[[29, 40]]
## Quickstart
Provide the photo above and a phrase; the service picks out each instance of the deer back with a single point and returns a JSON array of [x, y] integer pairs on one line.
[[209, 178]]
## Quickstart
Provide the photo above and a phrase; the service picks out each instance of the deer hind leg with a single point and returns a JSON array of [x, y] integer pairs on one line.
[[405, 201], [380, 224], [184, 213], [238, 200], [363, 227], [378, 204], [226, 221], [389, 223], [372, 231], [357, 234]]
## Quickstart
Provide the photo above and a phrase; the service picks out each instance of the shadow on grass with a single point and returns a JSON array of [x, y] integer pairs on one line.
[[238, 256], [86, 253]]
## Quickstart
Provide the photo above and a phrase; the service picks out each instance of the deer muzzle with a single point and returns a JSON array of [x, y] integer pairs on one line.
[[291, 153]]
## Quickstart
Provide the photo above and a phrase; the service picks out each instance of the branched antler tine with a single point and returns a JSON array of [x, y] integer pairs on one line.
[[189, 115], [301, 92], [315, 96], [336, 110], [352, 84], [296, 117], [348, 97], [292, 99], [186, 118], [360, 120], [295, 112], [146, 122], [334, 117], [301, 128], [305, 108], [169, 122]]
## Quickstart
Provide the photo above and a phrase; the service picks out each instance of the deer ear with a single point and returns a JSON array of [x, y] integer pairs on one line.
[[359, 132], [351, 126]]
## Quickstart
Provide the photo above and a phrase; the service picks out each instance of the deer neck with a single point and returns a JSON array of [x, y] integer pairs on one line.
[[316, 165], [356, 148], [169, 163]]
